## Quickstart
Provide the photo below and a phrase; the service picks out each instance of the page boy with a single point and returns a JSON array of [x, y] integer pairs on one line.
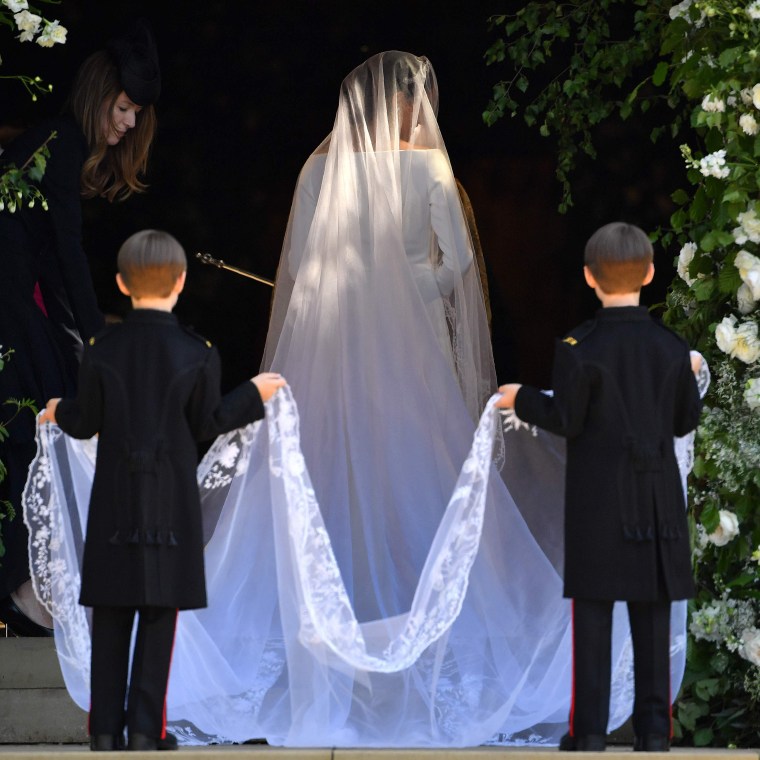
[[150, 389], [623, 388]]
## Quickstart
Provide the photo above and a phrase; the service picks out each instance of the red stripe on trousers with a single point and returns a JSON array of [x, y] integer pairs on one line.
[[166, 688]]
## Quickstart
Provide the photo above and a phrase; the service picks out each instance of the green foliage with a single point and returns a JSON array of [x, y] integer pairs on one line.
[[701, 58], [20, 184], [569, 63]]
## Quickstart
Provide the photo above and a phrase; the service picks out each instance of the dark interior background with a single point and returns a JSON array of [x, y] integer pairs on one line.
[[250, 88]]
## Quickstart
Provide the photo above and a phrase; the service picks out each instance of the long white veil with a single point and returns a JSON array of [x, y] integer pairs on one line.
[[371, 580]]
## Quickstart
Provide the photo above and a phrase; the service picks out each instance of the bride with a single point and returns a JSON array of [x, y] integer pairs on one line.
[[377, 586]]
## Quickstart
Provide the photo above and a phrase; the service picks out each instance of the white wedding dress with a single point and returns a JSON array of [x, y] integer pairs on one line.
[[371, 579]]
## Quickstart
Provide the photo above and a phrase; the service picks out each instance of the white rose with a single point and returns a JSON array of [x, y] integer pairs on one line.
[[749, 227], [680, 9], [727, 530], [713, 104], [746, 94], [750, 646], [16, 5], [725, 334], [748, 124], [52, 33], [747, 346], [749, 270], [28, 24], [685, 258], [753, 10], [756, 96], [744, 300], [752, 394]]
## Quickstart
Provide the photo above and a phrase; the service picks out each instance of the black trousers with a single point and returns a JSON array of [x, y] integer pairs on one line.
[[146, 701], [592, 645]]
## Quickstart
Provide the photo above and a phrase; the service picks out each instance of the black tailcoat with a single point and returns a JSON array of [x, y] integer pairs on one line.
[[150, 388], [623, 388]]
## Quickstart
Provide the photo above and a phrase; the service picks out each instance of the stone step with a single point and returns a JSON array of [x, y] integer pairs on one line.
[[258, 752], [36, 708], [39, 721]]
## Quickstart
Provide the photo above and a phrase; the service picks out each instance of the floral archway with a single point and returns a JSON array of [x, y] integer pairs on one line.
[[573, 65]]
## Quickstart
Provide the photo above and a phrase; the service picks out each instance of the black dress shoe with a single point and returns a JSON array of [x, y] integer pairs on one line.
[[143, 743], [585, 743], [169, 742], [651, 743], [18, 623], [107, 742]]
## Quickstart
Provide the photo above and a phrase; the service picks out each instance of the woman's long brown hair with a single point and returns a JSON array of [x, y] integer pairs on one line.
[[111, 171]]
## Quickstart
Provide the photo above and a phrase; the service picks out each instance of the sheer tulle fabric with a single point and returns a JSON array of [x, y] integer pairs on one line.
[[372, 581]]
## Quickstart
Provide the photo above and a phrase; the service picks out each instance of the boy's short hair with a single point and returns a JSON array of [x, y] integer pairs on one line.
[[150, 262], [619, 256]]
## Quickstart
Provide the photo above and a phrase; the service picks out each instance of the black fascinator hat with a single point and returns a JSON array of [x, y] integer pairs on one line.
[[137, 60]]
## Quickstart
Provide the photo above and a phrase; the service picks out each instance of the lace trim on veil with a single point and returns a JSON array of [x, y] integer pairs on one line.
[[327, 616], [326, 613]]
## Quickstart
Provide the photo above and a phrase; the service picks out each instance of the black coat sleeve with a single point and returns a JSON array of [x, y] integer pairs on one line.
[[212, 414], [688, 406], [82, 417], [563, 413]]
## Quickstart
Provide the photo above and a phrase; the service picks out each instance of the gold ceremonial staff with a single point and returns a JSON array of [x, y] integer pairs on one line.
[[207, 258]]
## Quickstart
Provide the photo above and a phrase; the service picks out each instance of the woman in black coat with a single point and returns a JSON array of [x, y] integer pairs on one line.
[[100, 148]]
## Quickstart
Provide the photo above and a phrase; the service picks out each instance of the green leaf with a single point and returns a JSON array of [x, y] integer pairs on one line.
[[741, 580], [703, 737], [660, 72], [678, 219], [710, 518], [727, 57], [706, 688], [729, 280], [698, 208]]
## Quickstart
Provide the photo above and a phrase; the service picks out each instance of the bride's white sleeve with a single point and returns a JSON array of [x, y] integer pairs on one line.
[[449, 224], [302, 215]]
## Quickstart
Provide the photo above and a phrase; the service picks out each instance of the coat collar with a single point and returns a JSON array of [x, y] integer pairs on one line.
[[151, 316], [623, 313]]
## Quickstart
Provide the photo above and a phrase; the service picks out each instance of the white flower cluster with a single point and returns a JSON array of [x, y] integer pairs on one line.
[[739, 341], [714, 165], [752, 399], [725, 622], [730, 435], [753, 10], [748, 123], [681, 10], [29, 25], [749, 291], [727, 530], [750, 645], [749, 97], [749, 227], [685, 257], [713, 104]]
